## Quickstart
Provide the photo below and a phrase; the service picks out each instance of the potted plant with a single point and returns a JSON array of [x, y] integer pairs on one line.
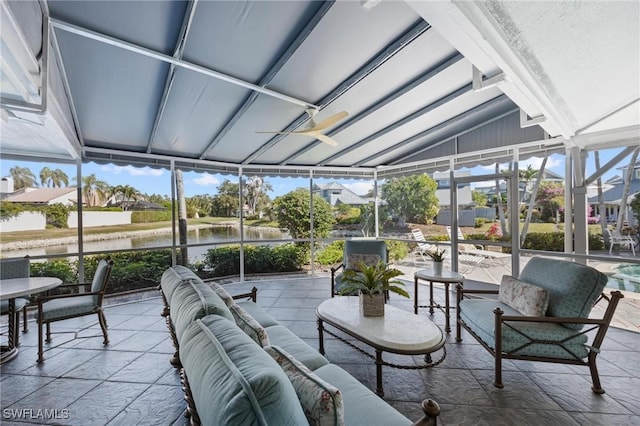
[[438, 257], [372, 282]]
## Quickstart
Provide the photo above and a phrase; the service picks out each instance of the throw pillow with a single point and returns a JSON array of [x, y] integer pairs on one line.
[[221, 292], [354, 259], [528, 299], [321, 402], [249, 325]]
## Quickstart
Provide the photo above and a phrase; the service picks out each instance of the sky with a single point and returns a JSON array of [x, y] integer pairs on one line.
[[158, 181]]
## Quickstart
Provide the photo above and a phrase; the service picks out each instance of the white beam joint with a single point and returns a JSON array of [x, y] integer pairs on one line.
[[481, 83], [526, 121]]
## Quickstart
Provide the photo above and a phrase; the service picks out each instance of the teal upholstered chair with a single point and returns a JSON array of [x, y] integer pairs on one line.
[[65, 306], [368, 251], [15, 268]]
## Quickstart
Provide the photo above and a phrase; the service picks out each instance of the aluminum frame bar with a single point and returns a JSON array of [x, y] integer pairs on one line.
[[388, 52]]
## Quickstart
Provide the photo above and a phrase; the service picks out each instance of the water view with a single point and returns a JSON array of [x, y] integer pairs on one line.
[[213, 235]]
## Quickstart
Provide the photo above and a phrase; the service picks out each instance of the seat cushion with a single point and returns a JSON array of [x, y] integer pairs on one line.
[[479, 316], [20, 303], [573, 288], [321, 402], [67, 307], [250, 326], [258, 313], [528, 299], [361, 405], [221, 292], [280, 335], [234, 381], [193, 300]]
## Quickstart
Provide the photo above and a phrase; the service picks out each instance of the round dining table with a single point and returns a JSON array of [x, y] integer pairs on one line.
[[10, 289]]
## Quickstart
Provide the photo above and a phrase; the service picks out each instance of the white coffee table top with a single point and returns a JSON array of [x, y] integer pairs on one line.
[[398, 331], [444, 277]]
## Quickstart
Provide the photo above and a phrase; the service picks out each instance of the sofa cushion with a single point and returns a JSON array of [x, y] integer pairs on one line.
[[361, 405], [258, 313], [67, 307], [573, 288], [232, 380], [249, 325], [479, 316], [528, 299], [172, 278], [193, 300], [320, 401], [280, 335]]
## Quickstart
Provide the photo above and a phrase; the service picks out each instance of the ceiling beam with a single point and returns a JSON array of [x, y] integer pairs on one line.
[[112, 41], [177, 53], [427, 75], [454, 136], [405, 120], [270, 74], [466, 114], [419, 28]]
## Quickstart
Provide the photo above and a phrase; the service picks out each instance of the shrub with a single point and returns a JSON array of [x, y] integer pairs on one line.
[[225, 261], [398, 250], [331, 254], [63, 269], [57, 215], [479, 221], [554, 241], [150, 216]]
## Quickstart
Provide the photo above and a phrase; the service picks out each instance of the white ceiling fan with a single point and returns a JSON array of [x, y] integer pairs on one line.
[[314, 129]]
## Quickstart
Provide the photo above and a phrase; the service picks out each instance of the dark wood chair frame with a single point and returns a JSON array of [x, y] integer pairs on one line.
[[501, 320], [98, 310]]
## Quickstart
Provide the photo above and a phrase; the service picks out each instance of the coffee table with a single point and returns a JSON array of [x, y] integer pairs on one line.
[[446, 278], [398, 332]]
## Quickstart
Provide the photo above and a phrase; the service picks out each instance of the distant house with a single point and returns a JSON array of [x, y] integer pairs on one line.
[[444, 185], [44, 196], [612, 195], [335, 193]]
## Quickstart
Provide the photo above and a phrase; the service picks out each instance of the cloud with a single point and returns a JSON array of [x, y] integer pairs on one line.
[[206, 180], [360, 188], [133, 171], [552, 162]]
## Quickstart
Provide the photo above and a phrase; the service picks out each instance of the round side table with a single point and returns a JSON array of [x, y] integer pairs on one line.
[[446, 278]]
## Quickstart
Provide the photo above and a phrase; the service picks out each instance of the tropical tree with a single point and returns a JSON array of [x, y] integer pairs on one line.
[[411, 198], [479, 197], [526, 176], [227, 200], [550, 198], [125, 194], [293, 214], [53, 178], [200, 204], [256, 193], [94, 190], [22, 177], [625, 190]]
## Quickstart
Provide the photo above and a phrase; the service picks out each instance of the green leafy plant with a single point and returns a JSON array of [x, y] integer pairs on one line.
[[437, 255], [370, 280]]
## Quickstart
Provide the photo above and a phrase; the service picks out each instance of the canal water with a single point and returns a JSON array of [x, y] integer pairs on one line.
[[213, 235]]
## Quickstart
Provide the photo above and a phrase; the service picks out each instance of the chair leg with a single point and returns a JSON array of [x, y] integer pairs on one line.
[[40, 348], [595, 378], [48, 332], [25, 326], [103, 325]]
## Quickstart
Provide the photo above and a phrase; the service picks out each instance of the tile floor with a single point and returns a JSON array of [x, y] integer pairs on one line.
[[131, 381]]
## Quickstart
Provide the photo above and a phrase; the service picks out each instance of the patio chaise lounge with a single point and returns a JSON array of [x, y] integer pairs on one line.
[[541, 316], [493, 257], [241, 366]]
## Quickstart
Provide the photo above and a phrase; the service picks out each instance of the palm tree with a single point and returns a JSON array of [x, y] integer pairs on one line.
[[93, 190], [127, 193], [526, 176], [53, 178], [22, 177]]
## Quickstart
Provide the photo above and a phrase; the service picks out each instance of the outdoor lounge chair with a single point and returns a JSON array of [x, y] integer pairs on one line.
[[422, 245], [368, 251], [15, 268], [621, 240], [493, 257], [65, 306]]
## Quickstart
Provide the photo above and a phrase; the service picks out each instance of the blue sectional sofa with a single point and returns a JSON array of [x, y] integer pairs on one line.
[[543, 315], [240, 366]]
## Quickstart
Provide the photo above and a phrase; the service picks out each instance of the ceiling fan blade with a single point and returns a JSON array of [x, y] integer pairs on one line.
[[329, 121], [279, 133], [326, 139]]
